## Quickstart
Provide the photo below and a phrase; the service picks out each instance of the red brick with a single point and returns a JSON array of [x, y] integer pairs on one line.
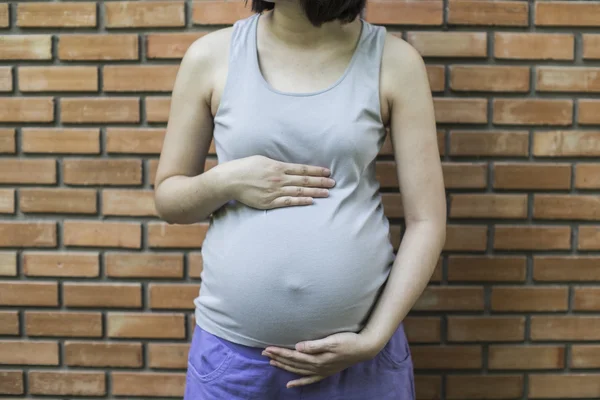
[[103, 354], [6, 77], [170, 45], [135, 140], [76, 383], [488, 78], [7, 140], [423, 329], [568, 79], [60, 78], [533, 111], [460, 110], [98, 47], [486, 329], [143, 265], [137, 78], [136, 203], [4, 17], [428, 386], [71, 324], [7, 201], [208, 12], [489, 143], [514, 237], [65, 201], [465, 175], [567, 144], [442, 298], [102, 295], [168, 355], [446, 357], [587, 176], [449, 44], [61, 264], [563, 386], [195, 264], [26, 47], [100, 110], [8, 263], [566, 268], [148, 384], [567, 13], [565, 328], [29, 109], [529, 176], [404, 12], [586, 298], [11, 382], [9, 322], [488, 206], [180, 296], [142, 325], [158, 108], [127, 235], [27, 234], [526, 357], [56, 15], [44, 294], [463, 387], [165, 235], [147, 14], [22, 352], [534, 46], [585, 356], [392, 205], [589, 111], [488, 12], [112, 172], [24, 171], [538, 298], [60, 140], [437, 77], [566, 207], [589, 238], [487, 268], [591, 46], [466, 237]]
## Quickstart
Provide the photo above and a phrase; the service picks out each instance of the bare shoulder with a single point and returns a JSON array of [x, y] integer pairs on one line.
[[209, 50], [402, 64]]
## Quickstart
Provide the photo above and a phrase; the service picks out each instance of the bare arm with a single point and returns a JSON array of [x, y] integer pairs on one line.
[[419, 170], [184, 193]]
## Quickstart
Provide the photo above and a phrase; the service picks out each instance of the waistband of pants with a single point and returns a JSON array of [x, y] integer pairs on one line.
[[246, 351]]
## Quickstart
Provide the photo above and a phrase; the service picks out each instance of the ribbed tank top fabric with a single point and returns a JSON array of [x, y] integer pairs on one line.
[[280, 276]]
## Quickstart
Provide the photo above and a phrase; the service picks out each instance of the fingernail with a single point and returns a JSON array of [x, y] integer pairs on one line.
[[327, 171]]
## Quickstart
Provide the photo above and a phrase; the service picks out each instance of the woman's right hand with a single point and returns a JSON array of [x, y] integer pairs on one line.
[[263, 183]]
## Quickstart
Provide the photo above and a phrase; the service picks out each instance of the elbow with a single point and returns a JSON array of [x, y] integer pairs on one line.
[[163, 207]]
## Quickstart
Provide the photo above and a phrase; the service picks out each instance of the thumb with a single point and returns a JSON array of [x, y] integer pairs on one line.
[[315, 346]]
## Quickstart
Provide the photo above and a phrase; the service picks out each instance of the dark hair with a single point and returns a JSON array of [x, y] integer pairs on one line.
[[321, 11]]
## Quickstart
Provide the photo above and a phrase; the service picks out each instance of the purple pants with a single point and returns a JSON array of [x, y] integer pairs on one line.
[[221, 370]]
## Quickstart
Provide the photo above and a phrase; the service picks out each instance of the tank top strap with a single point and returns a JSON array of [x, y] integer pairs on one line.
[[240, 48], [367, 63]]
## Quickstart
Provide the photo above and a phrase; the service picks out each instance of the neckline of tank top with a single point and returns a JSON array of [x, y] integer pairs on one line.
[[267, 85]]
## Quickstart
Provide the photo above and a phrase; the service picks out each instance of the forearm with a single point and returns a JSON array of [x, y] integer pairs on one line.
[[415, 262], [187, 200]]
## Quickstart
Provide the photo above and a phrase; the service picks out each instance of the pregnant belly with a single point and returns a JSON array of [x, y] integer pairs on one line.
[[284, 276]]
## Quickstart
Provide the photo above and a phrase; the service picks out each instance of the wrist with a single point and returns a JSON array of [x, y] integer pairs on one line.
[[225, 176], [373, 342]]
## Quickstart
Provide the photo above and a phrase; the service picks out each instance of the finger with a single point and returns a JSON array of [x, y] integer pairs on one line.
[[304, 381], [292, 355], [309, 181], [287, 201], [293, 363], [316, 346], [300, 191], [287, 367], [302, 169]]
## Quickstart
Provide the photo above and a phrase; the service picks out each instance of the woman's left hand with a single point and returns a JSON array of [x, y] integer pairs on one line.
[[321, 358]]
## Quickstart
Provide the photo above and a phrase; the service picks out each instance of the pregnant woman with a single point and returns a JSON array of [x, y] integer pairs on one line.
[[302, 295]]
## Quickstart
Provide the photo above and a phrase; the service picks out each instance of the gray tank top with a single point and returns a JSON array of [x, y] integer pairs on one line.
[[280, 276]]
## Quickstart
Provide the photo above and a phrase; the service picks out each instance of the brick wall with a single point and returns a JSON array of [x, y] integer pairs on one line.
[[96, 293]]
